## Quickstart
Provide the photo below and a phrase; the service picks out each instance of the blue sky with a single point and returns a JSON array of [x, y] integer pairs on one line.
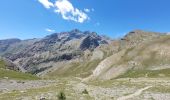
[[26, 19]]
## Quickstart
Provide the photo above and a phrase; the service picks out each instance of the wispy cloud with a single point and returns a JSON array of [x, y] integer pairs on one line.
[[46, 3], [67, 10], [87, 10], [49, 30]]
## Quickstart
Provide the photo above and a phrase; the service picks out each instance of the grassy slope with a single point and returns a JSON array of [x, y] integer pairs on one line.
[[150, 61], [16, 75], [2, 64], [13, 74], [147, 73], [75, 69], [81, 69]]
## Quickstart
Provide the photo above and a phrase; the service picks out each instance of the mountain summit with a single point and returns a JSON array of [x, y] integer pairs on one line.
[[36, 55]]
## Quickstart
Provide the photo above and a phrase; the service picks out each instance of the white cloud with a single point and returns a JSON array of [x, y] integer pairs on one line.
[[87, 10], [67, 10], [49, 30], [47, 4]]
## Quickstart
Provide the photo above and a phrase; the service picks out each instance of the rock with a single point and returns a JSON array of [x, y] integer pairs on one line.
[[29, 55]]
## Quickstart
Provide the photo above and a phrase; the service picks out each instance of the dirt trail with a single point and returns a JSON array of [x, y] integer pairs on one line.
[[137, 93]]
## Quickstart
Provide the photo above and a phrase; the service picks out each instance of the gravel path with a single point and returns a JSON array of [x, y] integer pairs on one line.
[[137, 93]]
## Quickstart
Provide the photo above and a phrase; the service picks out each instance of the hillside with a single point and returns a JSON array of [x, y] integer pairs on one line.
[[56, 51], [86, 66], [91, 56], [7, 72], [145, 54]]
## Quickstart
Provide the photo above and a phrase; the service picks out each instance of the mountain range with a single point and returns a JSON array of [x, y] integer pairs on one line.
[[89, 55]]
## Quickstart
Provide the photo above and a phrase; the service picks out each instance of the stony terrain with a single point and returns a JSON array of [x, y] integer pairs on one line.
[[118, 89]]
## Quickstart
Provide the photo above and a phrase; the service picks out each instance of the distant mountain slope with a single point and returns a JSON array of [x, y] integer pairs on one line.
[[38, 55], [4, 44], [13, 46], [91, 56], [9, 71], [143, 54]]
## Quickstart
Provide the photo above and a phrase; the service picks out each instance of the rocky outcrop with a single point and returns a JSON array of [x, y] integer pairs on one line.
[[57, 47], [90, 42], [9, 64], [136, 37]]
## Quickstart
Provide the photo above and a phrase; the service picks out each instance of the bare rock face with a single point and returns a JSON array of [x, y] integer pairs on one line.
[[9, 64], [136, 37], [4, 44], [57, 47], [90, 42]]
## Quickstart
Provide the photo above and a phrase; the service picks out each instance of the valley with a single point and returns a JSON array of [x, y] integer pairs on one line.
[[86, 66]]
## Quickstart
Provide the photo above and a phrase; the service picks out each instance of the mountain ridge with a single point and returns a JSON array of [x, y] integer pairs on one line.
[[53, 48], [84, 54]]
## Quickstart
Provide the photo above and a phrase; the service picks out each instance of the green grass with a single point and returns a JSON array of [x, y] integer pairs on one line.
[[147, 73], [2, 64], [53, 89], [16, 75], [75, 69], [162, 89]]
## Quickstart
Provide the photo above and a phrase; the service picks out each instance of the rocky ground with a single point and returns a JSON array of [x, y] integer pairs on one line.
[[118, 89]]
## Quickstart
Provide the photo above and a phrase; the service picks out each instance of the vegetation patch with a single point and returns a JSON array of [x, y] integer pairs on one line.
[[61, 96], [85, 91], [162, 89], [76, 69], [2, 64], [16, 75], [147, 73]]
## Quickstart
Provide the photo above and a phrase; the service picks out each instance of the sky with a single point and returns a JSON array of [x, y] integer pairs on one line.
[[26, 19]]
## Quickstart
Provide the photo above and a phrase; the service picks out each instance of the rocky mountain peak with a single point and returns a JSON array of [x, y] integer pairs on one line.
[[8, 41], [56, 47], [75, 31], [90, 42], [136, 31], [4, 44], [136, 37], [140, 33]]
